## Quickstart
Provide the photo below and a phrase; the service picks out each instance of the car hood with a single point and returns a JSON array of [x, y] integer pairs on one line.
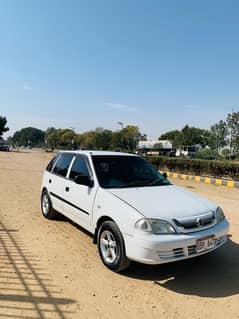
[[166, 202]]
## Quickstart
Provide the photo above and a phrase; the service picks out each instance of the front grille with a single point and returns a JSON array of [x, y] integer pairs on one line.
[[195, 223]]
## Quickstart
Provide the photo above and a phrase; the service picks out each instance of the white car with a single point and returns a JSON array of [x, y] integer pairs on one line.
[[134, 212]]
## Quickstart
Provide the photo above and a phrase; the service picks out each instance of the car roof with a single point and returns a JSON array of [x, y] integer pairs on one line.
[[99, 153]]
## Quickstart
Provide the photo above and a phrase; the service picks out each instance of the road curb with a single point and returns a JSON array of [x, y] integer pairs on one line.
[[206, 180]]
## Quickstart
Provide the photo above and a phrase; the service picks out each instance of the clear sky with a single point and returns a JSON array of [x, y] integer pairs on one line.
[[152, 63]]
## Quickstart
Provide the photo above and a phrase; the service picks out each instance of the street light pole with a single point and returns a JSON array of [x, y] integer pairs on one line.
[[121, 124]]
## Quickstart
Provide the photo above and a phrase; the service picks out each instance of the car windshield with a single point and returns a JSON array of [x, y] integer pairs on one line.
[[122, 171]]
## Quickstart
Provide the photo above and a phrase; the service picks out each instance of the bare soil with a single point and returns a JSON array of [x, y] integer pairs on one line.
[[51, 269]]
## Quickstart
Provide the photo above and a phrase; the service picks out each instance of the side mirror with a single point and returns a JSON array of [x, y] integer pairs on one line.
[[165, 175], [83, 180]]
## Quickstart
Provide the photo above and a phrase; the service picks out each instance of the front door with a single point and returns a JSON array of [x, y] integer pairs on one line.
[[79, 199]]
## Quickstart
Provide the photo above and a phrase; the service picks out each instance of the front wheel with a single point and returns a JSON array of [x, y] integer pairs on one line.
[[46, 206], [111, 247]]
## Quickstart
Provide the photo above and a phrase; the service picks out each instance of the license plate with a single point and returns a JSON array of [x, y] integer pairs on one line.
[[205, 243]]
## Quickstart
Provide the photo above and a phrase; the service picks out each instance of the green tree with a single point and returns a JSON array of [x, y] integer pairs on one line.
[[206, 137], [87, 140], [189, 135], [65, 138], [218, 138], [49, 130], [116, 141], [129, 138], [233, 131], [29, 136], [225, 153], [192, 136], [103, 140], [174, 137], [3, 127], [53, 139]]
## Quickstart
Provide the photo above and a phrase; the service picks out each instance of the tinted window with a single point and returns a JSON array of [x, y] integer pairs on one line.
[[126, 171], [79, 167], [63, 164], [52, 163]]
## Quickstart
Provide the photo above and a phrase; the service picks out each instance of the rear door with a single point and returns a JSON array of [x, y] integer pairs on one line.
[[57, 181], [79, 198], [47, 177]]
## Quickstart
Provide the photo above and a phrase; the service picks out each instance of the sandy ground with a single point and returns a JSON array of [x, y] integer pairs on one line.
[[51, 269]]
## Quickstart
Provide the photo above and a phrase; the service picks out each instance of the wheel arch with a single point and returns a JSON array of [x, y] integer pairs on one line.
[[44, 189], [100, 221]]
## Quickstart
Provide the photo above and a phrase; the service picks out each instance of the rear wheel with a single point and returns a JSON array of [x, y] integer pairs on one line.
[[46, 206], [111, 247]]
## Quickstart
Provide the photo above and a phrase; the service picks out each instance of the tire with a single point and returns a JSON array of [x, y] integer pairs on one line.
[[111, 247], [46, 206]]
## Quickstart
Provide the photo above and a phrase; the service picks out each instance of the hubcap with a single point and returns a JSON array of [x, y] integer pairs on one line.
[[108, 246], [45, 204]]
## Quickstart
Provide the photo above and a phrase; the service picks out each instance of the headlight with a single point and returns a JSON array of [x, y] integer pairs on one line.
[[219, 214], [156, 226]]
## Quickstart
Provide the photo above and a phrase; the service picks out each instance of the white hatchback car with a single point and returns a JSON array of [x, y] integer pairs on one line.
[[134, 212]]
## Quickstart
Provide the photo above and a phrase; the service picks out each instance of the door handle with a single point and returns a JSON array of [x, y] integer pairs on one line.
[[67, 189]]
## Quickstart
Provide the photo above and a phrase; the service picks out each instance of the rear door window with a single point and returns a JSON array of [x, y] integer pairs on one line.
[[52, 162], [63, 164]]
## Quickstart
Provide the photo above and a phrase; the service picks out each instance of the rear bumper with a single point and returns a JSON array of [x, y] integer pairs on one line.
[[158, 249]]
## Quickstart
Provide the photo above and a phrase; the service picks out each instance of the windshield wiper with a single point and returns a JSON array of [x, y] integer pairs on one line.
[[158, 180], [145, 183]]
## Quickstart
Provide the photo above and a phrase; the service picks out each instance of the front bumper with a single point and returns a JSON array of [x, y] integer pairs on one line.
[[149, 248]]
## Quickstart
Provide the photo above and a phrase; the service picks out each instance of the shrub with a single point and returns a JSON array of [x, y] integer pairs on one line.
[[202, 167], [207, 153]]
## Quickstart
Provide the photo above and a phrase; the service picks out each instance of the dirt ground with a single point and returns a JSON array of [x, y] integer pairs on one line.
[[51, 269]]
